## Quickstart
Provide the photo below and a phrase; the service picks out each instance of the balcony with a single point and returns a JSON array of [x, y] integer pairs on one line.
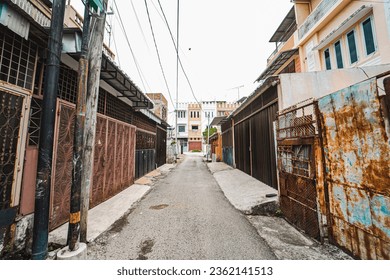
[[315, 16]]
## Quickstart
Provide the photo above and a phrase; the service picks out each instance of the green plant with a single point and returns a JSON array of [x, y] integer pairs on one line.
[[196, 151], [212, 130]]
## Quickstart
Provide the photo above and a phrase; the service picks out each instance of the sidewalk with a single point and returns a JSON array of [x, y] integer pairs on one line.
[[260, 203], [103, 216]]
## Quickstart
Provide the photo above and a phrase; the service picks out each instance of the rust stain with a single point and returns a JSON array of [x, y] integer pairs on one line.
[[383, 250], [357, 156]]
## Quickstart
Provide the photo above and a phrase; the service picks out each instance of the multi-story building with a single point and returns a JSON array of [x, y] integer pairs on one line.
[[182, 127], [193, 119], [336, 34], [160, 108], [194, 126]]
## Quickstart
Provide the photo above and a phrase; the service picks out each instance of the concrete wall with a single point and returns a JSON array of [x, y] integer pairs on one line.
[[297, 87]]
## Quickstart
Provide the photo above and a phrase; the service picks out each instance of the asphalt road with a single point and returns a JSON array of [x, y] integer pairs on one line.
[[184, 217]]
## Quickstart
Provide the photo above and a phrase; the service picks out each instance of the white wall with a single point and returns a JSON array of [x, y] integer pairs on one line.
[[297, 87]]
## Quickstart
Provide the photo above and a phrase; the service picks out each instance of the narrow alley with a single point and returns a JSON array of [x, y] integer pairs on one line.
[[185, 216]]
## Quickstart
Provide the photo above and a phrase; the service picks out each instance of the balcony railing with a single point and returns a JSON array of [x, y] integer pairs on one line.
[[316, 15]]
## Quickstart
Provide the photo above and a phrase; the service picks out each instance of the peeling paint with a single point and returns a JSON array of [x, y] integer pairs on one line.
[[357, 156]]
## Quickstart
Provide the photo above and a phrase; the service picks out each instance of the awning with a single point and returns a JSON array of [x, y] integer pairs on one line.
[[110, 72], [278, 62], [217, 121], [115, 77], [286, 28], [348, 23]]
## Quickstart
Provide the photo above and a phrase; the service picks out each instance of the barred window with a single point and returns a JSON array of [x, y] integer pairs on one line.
[[17, 59]]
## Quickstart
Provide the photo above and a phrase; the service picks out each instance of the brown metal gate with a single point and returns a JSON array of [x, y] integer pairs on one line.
[[113, 168], [11, 122], [296, 135]]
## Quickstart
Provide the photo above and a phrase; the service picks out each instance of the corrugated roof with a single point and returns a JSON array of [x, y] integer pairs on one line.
[[217, 120], [14, 20], [279, 61], [286, 28], [119, 80]]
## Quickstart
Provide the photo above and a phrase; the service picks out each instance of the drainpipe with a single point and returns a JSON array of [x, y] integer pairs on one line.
[[78, 140], [43, 183]]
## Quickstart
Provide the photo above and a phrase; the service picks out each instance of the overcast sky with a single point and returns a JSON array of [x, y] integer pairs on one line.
[[223, 44]]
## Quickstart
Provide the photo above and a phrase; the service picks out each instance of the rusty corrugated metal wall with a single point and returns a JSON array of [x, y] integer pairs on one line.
[[357, 157]]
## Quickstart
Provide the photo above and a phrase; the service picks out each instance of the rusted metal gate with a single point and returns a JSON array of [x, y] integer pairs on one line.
[[357, 161], [113, 168], [296, 136]]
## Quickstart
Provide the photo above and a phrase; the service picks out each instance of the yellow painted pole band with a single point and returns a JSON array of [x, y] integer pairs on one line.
[[74, 218]]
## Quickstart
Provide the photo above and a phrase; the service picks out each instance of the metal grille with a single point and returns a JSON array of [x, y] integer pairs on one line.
[[143, 122], [109, 186], [97, 195], [145, 140], [296, 160], [10, 116], [67, 87], [297, 121], [63, 166], [17, 59], [117, 109], [296, 131], [34, 124], [113, 107]]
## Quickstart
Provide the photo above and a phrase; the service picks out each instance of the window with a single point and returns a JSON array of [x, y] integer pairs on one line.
[[191, 114], [368, 33], [182, 114], [182, 128], [353, 54], [197, 114], [339, 55], [328, 64], [195, 128]]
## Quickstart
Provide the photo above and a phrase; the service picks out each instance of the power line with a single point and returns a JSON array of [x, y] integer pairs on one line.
[[158, 53], [139, 24], [128, 43], [174, 43]]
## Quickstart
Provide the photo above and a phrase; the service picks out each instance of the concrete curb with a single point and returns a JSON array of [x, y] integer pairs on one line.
[[244, 192]]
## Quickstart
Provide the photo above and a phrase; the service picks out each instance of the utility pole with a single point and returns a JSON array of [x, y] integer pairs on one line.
[[177, 76], [91, 103], [49, 110], [75, 195]]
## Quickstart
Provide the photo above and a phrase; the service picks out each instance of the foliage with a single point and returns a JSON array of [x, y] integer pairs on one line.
[[212, 130]]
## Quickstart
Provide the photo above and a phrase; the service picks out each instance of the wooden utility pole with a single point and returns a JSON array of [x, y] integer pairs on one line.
[[95, 61], [79, 126]]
